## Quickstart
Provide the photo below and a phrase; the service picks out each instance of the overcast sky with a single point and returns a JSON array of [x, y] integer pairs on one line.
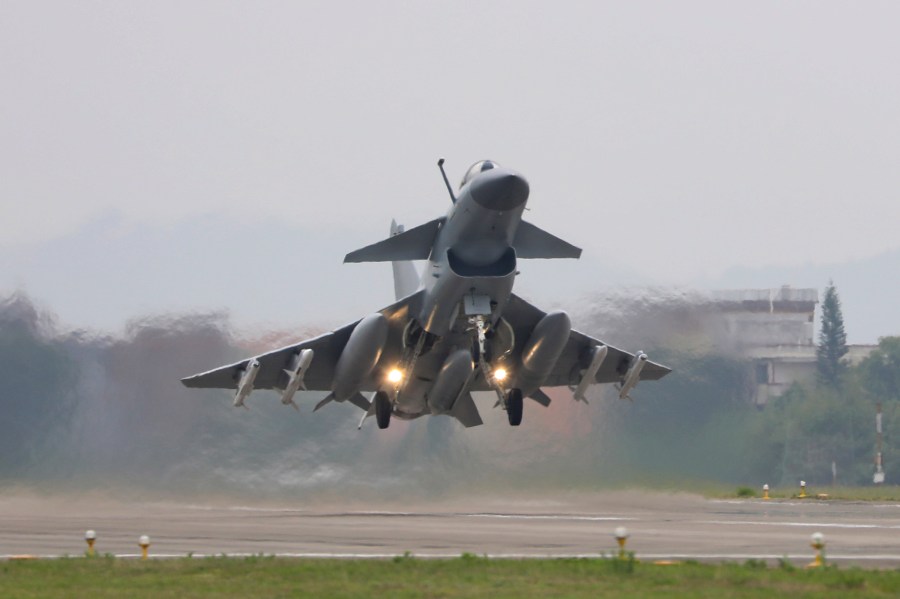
[[225, 155]]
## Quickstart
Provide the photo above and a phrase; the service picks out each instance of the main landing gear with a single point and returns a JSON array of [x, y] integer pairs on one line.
[[512, 399], [383, 409], [514, 406]]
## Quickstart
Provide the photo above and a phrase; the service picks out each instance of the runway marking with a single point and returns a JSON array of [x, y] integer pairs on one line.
[[808, 502], [375, 556], [746, 556], [802, 524], [243, 508], [368, 513], [549, 517]]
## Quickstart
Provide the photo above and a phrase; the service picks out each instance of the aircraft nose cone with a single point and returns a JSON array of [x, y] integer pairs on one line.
[[500, 190]]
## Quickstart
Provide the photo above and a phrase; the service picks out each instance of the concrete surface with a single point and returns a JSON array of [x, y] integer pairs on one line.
[[661, 526]]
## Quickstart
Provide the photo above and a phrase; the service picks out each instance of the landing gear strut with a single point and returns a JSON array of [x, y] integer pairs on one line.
[[383, 409], [514, 407]]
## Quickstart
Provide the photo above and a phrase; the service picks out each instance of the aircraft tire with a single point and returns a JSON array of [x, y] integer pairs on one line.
[[382, 409], [514, 407]]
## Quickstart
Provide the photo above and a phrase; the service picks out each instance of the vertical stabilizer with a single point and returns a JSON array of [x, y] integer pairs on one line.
[[406, 278]]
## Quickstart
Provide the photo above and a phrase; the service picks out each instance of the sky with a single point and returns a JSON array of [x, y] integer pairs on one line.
[[224, 156]]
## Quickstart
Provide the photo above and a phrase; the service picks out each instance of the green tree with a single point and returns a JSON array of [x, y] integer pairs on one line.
[[880, 371], [832, 339]]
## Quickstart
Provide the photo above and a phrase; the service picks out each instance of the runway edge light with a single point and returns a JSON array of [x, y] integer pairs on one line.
[[144, 544], [621, 534], [90, 537], [766, 491], [817, 542]]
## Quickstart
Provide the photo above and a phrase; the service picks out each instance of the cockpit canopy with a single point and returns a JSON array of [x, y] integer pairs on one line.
[[478, 167]]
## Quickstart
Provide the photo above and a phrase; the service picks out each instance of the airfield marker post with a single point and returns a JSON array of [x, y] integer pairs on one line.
[[766, 491], [802, 494], [144, 544], [621, 535], [878, 478], [90, 537], [817, 542]]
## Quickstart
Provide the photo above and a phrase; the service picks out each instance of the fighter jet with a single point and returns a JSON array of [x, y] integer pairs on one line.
[[455, 328]]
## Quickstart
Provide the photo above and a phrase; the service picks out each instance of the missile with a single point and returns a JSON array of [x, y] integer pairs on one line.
[[633, 375], [598, 354], [295, 377], [245, 385]]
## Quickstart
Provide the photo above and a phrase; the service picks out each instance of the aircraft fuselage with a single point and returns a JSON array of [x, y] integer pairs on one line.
[[473, 253]]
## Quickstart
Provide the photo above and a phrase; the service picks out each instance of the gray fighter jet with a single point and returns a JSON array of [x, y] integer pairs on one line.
[[455, 329]]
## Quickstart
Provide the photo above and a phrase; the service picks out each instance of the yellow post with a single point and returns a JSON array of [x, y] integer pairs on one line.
[[144, 544], [90, 537], [766, 491], [817, 542], [621, 535], [802, 494]]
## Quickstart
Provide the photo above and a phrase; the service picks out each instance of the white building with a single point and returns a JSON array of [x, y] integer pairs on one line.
[[776, 328]]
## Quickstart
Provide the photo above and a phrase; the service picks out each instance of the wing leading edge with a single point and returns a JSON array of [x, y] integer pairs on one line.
[[326, 348], [576, 355]]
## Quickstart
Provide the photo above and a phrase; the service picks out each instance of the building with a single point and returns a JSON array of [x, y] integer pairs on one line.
[[776, 329]]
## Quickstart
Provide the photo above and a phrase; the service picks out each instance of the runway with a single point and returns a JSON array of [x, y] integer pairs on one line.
[[661, 526]]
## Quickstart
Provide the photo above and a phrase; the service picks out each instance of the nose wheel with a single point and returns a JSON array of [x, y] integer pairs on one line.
[[383, 409], [514, 407]]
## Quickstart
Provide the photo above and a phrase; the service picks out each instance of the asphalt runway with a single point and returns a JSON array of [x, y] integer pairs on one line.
[[661, 526]]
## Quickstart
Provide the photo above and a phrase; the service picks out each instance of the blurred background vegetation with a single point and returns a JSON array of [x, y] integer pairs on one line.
[[87, 410]]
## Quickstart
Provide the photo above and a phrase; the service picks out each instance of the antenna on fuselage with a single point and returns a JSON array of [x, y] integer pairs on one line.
[[446, 180]]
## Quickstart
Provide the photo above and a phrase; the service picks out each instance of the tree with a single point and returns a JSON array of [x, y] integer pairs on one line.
[[880, 371], [832, 339]]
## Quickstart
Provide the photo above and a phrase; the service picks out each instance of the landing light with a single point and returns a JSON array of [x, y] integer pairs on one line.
[[500, 374], [395, 375]]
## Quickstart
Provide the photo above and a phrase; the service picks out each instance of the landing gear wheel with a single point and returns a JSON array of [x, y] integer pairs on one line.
[[383, 409], [514, 407]]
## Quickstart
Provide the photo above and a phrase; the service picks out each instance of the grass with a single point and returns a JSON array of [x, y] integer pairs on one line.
[[720, 490], [406, 576], [713, 490], [745, 492], [880, 493]]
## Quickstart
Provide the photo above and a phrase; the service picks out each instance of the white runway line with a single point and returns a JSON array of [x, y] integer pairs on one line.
[[376, 556], [241, 508], [548, 517], [573, 517], [803, 524], [747, 556]]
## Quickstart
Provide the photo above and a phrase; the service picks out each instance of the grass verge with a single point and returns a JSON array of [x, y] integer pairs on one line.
[[888, 493], [405, 576]]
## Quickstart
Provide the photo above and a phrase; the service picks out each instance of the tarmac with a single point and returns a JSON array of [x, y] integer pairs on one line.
[[660, 527]]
